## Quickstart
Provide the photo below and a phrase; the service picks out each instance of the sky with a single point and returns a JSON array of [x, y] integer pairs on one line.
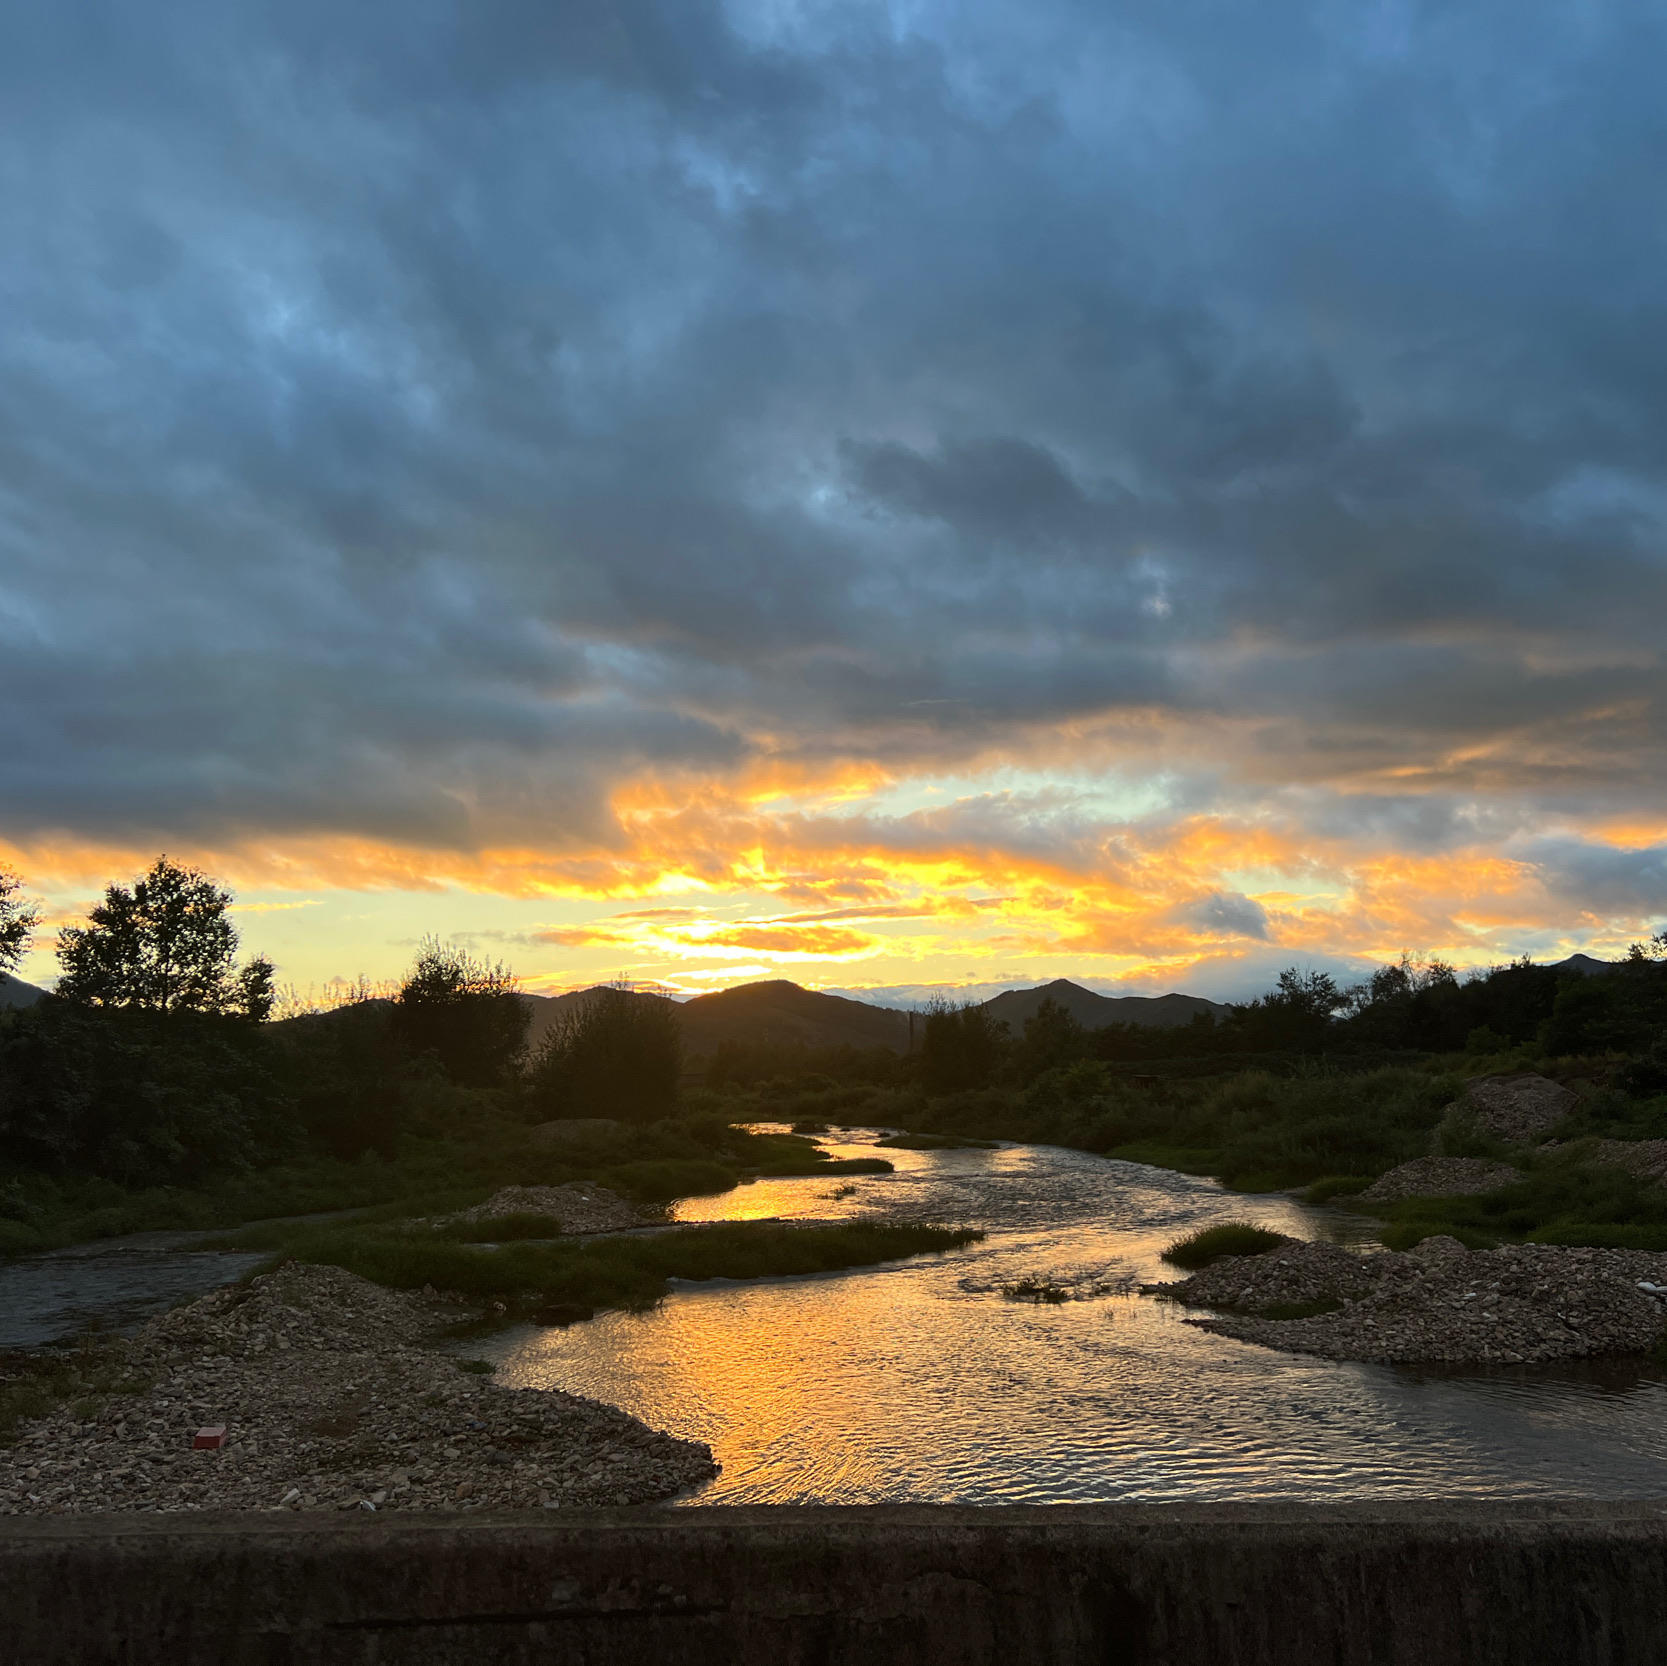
[[885, 495]]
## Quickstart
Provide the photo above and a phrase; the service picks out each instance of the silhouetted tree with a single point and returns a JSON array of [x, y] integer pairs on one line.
[[613, 1054], [961, 1047], [1296, 1015], [467, 1012], [18, 920], [164, 946], [1052, 1040]]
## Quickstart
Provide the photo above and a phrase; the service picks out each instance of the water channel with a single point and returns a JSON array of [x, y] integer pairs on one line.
[[917, 1382]]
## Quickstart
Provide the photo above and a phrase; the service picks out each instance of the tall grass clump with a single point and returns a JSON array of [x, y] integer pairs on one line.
[[1200, 1248], [579, 1277]]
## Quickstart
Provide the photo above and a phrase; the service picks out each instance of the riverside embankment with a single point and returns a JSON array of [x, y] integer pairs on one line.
[[1175, 1585], [919, 1381]]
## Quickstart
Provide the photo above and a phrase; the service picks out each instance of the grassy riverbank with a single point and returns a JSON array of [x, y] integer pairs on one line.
[[560, 1281], [434, 1171], [1327, 1130]]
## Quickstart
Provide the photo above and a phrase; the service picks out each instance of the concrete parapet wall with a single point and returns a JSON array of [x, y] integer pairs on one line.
[[1494, 1584]]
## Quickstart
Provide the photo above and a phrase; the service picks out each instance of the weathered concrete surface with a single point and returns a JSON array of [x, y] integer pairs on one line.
[[1156, 1585]]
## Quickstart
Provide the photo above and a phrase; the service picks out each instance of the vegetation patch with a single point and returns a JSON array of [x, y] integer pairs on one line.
[[1211, 1243], [574, 1278], [1334, 1186]]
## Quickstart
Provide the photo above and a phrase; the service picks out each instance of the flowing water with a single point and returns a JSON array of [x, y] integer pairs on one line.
[[917, 1381], [112, 1284]]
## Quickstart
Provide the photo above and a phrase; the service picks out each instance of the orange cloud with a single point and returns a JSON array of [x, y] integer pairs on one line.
[[718, 873]]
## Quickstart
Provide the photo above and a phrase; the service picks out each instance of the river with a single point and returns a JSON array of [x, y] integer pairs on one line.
[[917, 1382]]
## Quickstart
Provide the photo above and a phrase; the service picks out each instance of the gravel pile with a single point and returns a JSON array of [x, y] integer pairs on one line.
[[329, 1402], [1440, 1177], [1516, 1108], [580, 1206], [1521, 1304], [1645, 1158], [1296, 1272]]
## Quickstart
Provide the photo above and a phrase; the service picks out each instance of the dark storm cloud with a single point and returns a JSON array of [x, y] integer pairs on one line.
[[1227, 914], [1627, 883], [414, 418]]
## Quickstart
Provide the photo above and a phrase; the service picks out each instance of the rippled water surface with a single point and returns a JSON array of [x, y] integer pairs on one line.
[[114, 1283], [897, 1383]]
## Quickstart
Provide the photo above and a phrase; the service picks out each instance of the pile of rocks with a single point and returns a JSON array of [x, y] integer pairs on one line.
[[1295, 1272], [1516, 1108], [329, 1400], [579, 1206], [1517, 1305], [1440, 1177], [1645, 1158]]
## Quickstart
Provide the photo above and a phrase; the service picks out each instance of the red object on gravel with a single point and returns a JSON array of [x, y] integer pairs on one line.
[[210, 1439]]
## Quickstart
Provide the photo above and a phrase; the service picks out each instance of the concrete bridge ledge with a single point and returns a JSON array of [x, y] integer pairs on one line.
[[1471, 1584]]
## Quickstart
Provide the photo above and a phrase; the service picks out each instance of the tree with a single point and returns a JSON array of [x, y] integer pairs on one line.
[[164, 946], [18, 920], [961, 1047], [467, 1012], [1297, 1015], [615, 1053], [1052, 1040]]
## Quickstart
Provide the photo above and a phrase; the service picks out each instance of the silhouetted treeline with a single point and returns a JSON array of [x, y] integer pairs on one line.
[[155, 1064], [1402, 1013]]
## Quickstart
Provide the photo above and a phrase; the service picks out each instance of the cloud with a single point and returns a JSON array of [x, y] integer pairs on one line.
[[487, 444], [1227, 914]]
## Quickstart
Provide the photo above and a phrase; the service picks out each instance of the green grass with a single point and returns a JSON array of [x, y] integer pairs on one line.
[[1404, 1235], [1564, 1198], [1336, 1185], [431, 1174], [1604, 1235], [501, 1229], [1254, 1130], [1211, 1243], [575, 1277]]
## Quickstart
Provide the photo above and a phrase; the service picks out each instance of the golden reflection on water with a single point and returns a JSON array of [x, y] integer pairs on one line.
[[898, 1383]]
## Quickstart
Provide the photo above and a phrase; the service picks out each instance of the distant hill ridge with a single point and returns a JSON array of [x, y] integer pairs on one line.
[[781, 1013], [1094, 1012], [14, 992]]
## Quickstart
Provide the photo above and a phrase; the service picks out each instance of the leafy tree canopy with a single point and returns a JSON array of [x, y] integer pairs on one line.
[[467, 1012], [18, 920], [615, 1054], [165, 945]]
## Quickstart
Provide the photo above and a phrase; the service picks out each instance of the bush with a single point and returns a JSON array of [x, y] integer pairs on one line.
[[615, 1054], [467, 1013], [1404, 1235], [1336, 1185], [1214, 1242], [138, 1097]]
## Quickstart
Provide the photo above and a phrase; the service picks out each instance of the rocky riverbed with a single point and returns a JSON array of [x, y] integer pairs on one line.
[[331, 1398], [1439, 1303], [580, 1206]]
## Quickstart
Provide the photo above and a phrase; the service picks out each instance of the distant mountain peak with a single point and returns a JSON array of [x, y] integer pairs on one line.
[[14, 992], [1015, 1007]]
